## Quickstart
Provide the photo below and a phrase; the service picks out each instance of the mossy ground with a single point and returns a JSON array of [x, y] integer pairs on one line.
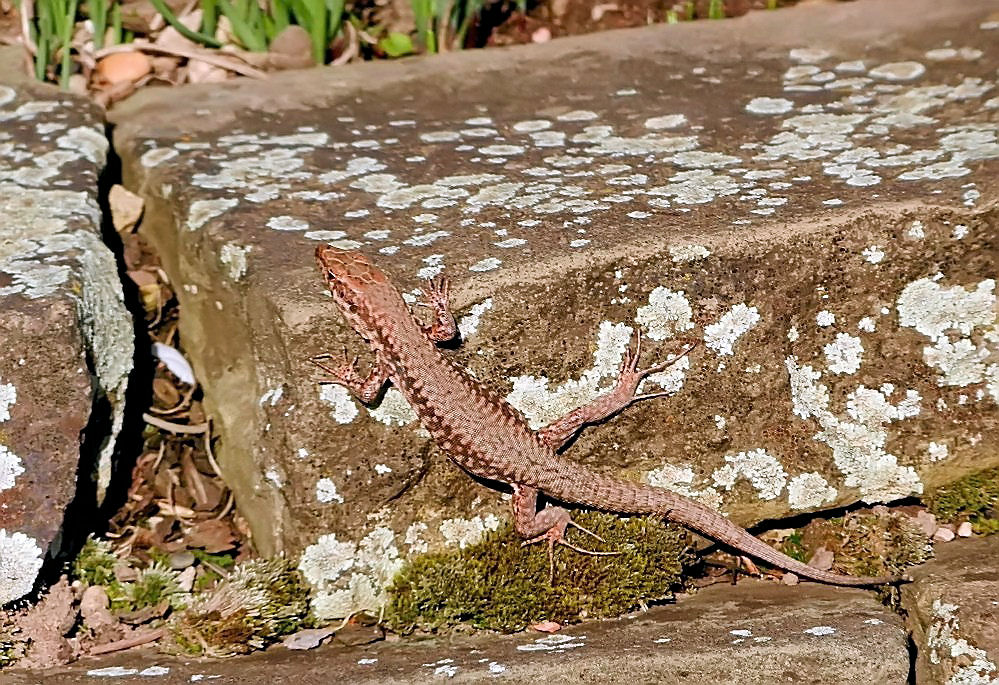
[[973, 498], [497, 584]]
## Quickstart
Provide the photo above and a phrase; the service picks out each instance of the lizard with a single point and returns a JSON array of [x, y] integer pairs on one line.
[[484, 435]]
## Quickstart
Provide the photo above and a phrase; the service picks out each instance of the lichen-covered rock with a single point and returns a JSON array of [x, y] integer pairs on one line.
[[819, 212], [952, 610], [67, 337]]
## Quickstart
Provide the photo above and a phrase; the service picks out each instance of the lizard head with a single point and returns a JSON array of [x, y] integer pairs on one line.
[[351, 278]]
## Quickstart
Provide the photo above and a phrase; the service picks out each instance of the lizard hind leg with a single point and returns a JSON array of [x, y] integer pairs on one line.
[[548, 525]]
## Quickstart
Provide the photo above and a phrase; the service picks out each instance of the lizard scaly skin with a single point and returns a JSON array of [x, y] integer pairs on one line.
[[487, 437]]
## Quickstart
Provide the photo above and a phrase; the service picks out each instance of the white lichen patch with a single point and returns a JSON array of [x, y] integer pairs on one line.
[[825, 318], [326, 491], [808, 491], [858, 445], [540, 405], [667, 315], [372, 564], [844, 354], [202, 211], [763, 470], [8, 396], [10, 468], [933, 309], [157, 156], [234, 257], [969, 665], [898, 71], [462, 532], [20, 560], [682, 480], [414, 538], [344, 408], [393, 410], [873, 254], [469, 324], [687, 253], [735, 323], [937, 451], [763, 105]]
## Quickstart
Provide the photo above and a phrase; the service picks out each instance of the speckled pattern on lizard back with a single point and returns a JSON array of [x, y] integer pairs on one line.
[[487, 437]]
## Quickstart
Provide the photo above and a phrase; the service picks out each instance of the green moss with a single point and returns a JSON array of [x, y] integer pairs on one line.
[[149, 589], [973, 498], [793, 548], [260, 601], [95, 563], [497, 584]]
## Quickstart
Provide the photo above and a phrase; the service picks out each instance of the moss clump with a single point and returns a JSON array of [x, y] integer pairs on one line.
[[260, 601], [95, 563], [973, 498], [497, 584], [155, 584]]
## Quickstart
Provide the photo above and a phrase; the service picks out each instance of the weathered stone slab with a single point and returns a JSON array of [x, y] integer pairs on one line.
[[810, 192], [752, 633], [67, 339], [952, 610]]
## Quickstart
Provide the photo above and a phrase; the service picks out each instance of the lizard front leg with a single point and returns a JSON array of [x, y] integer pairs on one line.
[[560, 431], [364, 389], [548, 525], [437, 296]]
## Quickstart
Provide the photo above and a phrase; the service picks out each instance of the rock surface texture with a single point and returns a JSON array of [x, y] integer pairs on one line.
[[810, 193], [953, 613], [752, 633], [67, 341]]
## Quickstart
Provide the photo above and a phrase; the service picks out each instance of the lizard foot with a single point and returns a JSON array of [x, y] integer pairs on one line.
[[344, 374], [556, 534], [631, 376]]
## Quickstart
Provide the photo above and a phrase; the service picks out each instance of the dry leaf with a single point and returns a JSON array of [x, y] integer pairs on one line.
[[175, 362], [213, 536], [126, 206], [547, 627]]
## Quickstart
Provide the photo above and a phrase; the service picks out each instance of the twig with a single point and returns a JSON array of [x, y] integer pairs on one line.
[[129, 642], [208, 451], [232, 64], [180, 429]]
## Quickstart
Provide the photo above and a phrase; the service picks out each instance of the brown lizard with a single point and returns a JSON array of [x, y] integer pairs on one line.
[[487, 437]]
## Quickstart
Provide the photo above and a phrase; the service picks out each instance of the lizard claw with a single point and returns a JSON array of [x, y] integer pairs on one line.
[[347, 371], [556, 534]]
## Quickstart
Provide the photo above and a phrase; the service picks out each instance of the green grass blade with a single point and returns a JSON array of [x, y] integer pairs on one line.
[[171, 19]]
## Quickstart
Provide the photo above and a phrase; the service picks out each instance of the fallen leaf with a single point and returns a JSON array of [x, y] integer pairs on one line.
[[547, 627], [213, 536], [126, 206], [175, 362]]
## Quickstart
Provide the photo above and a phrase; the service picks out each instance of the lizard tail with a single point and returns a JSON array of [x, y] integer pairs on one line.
[[716, 526], [611, 494]]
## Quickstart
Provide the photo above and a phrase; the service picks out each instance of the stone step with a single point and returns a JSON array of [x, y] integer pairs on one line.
[[810, 193], [754, 632], [66, 340]]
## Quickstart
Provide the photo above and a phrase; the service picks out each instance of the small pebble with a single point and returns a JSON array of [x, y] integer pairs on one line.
[[964, 530], [943, 534], [124, 66], [789, 579]]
